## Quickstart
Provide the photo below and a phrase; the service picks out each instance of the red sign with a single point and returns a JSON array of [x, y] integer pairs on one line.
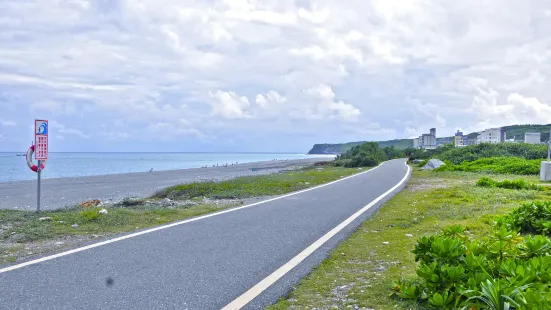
[[41, 139]]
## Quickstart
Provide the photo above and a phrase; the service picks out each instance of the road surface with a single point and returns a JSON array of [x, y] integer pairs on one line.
[[63, 192], [206, 263]]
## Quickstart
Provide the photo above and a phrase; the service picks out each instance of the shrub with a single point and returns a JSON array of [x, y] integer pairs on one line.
[[530, 217], [456, 272], [515, 184], [366, 155], [502, 271], [498, 165], [423, 163], [90, 215], [485, 150]]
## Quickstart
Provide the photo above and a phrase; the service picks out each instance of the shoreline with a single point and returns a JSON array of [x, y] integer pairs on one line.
[[67, 192]]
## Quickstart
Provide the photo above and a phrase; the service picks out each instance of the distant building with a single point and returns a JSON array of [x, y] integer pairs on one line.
[[459, 139], [416, 143], [491, 135], [532, 137], [427, 141], [442, 141]]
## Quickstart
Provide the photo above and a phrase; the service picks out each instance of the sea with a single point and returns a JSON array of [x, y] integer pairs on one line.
[[60, 165]]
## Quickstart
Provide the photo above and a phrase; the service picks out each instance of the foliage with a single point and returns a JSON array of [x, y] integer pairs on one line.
[[518, 184], [499, 165], [502, 271], [90, 215], [366, 155], [486, 150], [341, 148], [530, 217]]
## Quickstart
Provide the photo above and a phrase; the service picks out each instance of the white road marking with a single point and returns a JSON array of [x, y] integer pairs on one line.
[[95, 245], [256, 290]]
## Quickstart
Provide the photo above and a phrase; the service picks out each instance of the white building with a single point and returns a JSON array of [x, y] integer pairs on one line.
[[427, 141], [416, 143], [459, 139], [532, 137], [492, 135]]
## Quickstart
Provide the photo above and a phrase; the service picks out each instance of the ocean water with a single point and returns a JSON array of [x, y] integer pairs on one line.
[[59, 165]]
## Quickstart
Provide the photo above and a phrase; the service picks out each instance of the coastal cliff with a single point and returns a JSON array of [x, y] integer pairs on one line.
[[339, 148]]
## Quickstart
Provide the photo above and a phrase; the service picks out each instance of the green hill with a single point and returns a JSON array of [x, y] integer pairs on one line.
[[517, 131], [513, 132], [340, 148]]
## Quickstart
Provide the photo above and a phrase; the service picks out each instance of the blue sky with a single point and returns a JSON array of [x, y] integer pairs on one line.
[[271, 75]]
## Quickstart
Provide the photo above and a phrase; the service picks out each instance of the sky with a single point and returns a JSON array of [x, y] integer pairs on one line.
[[267, 76]]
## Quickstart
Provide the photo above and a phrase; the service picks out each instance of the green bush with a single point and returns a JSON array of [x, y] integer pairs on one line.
[[423, 163], [459, 155], [502, 271], [498, 165], [366, 155], [486, 182], [90, 215], [456, 272], [515, 184], [530, 217]]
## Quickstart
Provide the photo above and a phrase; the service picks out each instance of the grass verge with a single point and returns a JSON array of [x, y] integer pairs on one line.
[[359, 273], [268, 185], [23, 233]]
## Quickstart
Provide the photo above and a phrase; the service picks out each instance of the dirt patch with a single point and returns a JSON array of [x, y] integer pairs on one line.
[[13, 252], [432, 184]]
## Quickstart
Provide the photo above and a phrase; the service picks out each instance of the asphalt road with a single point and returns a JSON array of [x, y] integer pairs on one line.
[[204, 264], [63, 192]]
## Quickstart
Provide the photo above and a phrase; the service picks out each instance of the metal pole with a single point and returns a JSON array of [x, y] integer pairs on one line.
[[38, 189]]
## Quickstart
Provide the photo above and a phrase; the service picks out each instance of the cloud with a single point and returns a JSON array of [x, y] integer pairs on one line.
[[6, 123], [209, 71], [229, 105]]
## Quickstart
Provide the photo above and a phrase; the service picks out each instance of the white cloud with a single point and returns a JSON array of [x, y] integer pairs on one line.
[[325, 105], [514, 109], [229, 105], [205, 65]]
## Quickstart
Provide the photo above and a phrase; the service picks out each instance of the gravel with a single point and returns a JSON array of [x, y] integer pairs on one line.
[[68, 192]]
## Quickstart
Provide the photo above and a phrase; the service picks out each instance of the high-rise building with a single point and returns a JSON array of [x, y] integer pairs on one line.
[[491, 135], [427, 141], [460, 139]]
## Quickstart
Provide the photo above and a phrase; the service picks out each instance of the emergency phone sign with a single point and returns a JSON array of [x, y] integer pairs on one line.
[[41, 139]]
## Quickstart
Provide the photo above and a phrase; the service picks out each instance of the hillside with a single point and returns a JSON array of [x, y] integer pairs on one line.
[[340, 148], [517, 131], [513, 132]]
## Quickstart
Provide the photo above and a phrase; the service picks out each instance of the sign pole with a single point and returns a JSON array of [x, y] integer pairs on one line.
[[38, 188], [549, 147], [41, 153]]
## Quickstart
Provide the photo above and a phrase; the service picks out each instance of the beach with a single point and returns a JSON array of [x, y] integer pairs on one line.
[[67, 192]]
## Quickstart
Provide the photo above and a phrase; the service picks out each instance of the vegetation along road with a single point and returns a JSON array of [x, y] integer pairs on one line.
[[243, 257]]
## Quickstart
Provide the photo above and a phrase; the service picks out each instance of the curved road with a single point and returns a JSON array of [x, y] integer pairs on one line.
[[235, 259]]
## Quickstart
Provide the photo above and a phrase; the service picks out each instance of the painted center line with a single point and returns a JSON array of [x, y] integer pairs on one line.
[[256, 290]]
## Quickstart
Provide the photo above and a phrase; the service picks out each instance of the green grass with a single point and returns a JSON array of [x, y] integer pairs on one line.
[[269, 185], [361, 270], [21, 228]]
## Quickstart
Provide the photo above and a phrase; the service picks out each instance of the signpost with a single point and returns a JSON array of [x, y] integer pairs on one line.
[[41, 151]]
